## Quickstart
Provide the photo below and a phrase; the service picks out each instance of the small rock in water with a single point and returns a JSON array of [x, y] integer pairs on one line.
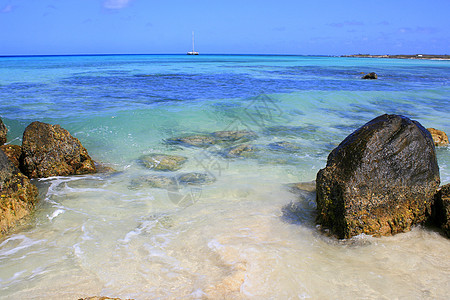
[[104, 168], [284, 146], [195, 178], [439, 137], [163, 162], [153, 181], [371, 75], [201, 141], [240, 151], [234, 136], [218, 137], [309, 187]]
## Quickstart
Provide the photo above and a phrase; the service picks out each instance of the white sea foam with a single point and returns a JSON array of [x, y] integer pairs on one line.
[[55, 214], [16, 244]]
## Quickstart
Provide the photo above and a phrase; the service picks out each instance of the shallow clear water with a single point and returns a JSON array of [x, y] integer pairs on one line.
[[244, 235]]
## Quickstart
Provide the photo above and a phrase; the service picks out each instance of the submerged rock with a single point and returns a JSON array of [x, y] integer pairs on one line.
[[104, 168], [308, 187], [3, 132], [439, 137], [441, 209], [163, 162], [49, 150], [17, 195], [234, 136], [380, 180], [218, 137], [194, 140], [13, 152], [153, 181], [371, 75], [284, 146], [243, 150], [195, 178]]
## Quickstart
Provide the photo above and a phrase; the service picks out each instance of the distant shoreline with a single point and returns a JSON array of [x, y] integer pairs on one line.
[[398, 56], [402, 56]]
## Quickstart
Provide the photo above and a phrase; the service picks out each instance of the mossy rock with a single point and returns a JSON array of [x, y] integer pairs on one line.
[[163, 162]]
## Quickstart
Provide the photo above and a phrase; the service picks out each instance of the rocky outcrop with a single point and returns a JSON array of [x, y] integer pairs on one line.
[[49, 150], [371, 75], [3, 132], [380, 180], [163, 162], [13, 152], [441, 209], [17, 195], [439, 137]]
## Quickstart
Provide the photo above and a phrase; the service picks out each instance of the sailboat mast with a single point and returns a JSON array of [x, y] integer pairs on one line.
[[193, 41]]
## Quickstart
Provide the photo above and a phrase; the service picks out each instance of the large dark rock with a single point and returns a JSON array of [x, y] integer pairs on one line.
[[49, 150], [380, 180], [441, 209], [3, 132], [17, 195]]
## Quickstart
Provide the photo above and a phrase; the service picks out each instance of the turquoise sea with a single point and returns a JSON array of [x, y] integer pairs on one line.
[[241, 235]]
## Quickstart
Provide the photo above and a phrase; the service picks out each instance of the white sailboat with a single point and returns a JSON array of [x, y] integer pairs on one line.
[[193, 52]]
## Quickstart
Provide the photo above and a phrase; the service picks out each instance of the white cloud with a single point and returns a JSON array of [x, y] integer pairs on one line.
[[6, 9], [115, 4]]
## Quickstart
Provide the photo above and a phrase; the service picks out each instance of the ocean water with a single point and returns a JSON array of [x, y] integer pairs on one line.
[[243, 236]]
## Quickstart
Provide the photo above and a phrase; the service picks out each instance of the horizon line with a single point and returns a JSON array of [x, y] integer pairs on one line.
[[212, 54]]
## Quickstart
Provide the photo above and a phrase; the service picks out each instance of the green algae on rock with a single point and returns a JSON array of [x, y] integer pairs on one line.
[[195, 178], [241, 151], [49, 150], [198, 140], [153, 181], [217, 137], [234, 135], [163, 162]]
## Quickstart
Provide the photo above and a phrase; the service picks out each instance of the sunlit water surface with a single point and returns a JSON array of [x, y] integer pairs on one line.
[[243, 236]]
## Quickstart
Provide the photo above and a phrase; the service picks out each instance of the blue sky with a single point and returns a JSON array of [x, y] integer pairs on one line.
[[36, 27]]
